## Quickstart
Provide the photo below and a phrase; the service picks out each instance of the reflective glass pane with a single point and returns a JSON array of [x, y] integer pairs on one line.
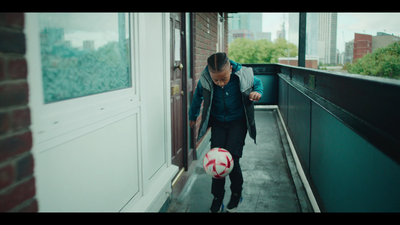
[[84, 54], [262, 38]]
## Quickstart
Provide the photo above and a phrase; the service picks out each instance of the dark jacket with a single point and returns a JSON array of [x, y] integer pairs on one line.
[[223, 104]]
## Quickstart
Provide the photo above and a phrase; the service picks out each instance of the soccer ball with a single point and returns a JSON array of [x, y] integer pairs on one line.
[[218, 163]]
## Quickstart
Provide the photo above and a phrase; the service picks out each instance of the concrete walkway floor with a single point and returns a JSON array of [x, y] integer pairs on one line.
[[271, 181]]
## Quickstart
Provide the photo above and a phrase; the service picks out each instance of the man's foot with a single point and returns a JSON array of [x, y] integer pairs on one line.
[[234, 202], [217, 205]]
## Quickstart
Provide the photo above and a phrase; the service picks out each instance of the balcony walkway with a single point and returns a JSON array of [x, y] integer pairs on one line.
[[271, 180]]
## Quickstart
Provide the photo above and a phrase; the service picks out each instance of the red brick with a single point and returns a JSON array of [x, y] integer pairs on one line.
[[4, 122], [21, 118], [362, 45], [2, 19], [17, 68], [7, 175], [15, 19], [17, 195], [13, 94], [15, 145], [12, 41], [2, 72], [24, 167], [31, 207]]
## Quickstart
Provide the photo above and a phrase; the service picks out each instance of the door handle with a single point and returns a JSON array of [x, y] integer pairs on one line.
[[180, 66]]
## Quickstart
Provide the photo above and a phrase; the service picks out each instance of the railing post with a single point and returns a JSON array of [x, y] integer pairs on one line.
[[302, 39]]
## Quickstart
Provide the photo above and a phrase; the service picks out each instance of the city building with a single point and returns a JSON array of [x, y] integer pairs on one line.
[[362, 45], [312, 34], [366, 43], [252, 22], [312, 30], [281, 33], [340, 57], [382, 40], [264, 35], [348, 52], [327, 38], [311, 61], [293, 31], [242, 33]]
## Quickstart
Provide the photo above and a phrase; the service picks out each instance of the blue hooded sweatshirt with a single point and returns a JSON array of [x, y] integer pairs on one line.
[[227, 102]]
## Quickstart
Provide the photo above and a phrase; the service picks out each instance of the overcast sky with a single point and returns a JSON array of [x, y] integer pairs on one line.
[[348, 24], [273, 22]]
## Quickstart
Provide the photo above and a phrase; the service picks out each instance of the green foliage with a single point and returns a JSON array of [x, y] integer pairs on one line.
[[383, 62], [243, 50]]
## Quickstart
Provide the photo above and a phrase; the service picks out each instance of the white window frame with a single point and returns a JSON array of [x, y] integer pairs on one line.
[[221, 32], [53, 123]]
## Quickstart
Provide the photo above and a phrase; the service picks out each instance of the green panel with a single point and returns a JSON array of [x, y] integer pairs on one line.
[[270, 85], [299, 122], [349, 173], [283, 99]]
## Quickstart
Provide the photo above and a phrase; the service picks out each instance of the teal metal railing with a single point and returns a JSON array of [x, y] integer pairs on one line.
[[345, 129]]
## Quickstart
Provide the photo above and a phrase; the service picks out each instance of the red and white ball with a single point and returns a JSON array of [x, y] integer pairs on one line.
[[218, 163]]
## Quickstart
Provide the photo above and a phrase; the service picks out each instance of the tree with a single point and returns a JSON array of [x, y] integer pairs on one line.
[[383, 62], [243, 50]]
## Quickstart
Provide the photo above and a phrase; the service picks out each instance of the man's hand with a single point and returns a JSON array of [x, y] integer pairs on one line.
[[192, 123], [254, 96]]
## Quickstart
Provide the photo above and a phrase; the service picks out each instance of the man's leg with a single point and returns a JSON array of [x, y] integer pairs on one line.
[[219, 133], [235, 142]]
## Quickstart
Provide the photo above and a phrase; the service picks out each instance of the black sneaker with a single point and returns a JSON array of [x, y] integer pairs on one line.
[[234, 202], [217, 205]]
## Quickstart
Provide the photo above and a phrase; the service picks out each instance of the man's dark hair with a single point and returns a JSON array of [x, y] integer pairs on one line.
[[217, 61]]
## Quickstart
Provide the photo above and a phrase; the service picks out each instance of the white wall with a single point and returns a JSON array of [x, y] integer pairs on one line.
[[110, 151], [152, 68], [96, 172]]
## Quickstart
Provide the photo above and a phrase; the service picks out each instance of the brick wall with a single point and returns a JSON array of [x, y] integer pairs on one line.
[[205, 39], [362, 45], [17, 183], [310, 63]]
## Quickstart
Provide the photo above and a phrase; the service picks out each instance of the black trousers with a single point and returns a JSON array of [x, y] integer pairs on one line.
[[230, 136]]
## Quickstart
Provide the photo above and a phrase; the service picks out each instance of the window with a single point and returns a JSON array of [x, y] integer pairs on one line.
[[84, 54]]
